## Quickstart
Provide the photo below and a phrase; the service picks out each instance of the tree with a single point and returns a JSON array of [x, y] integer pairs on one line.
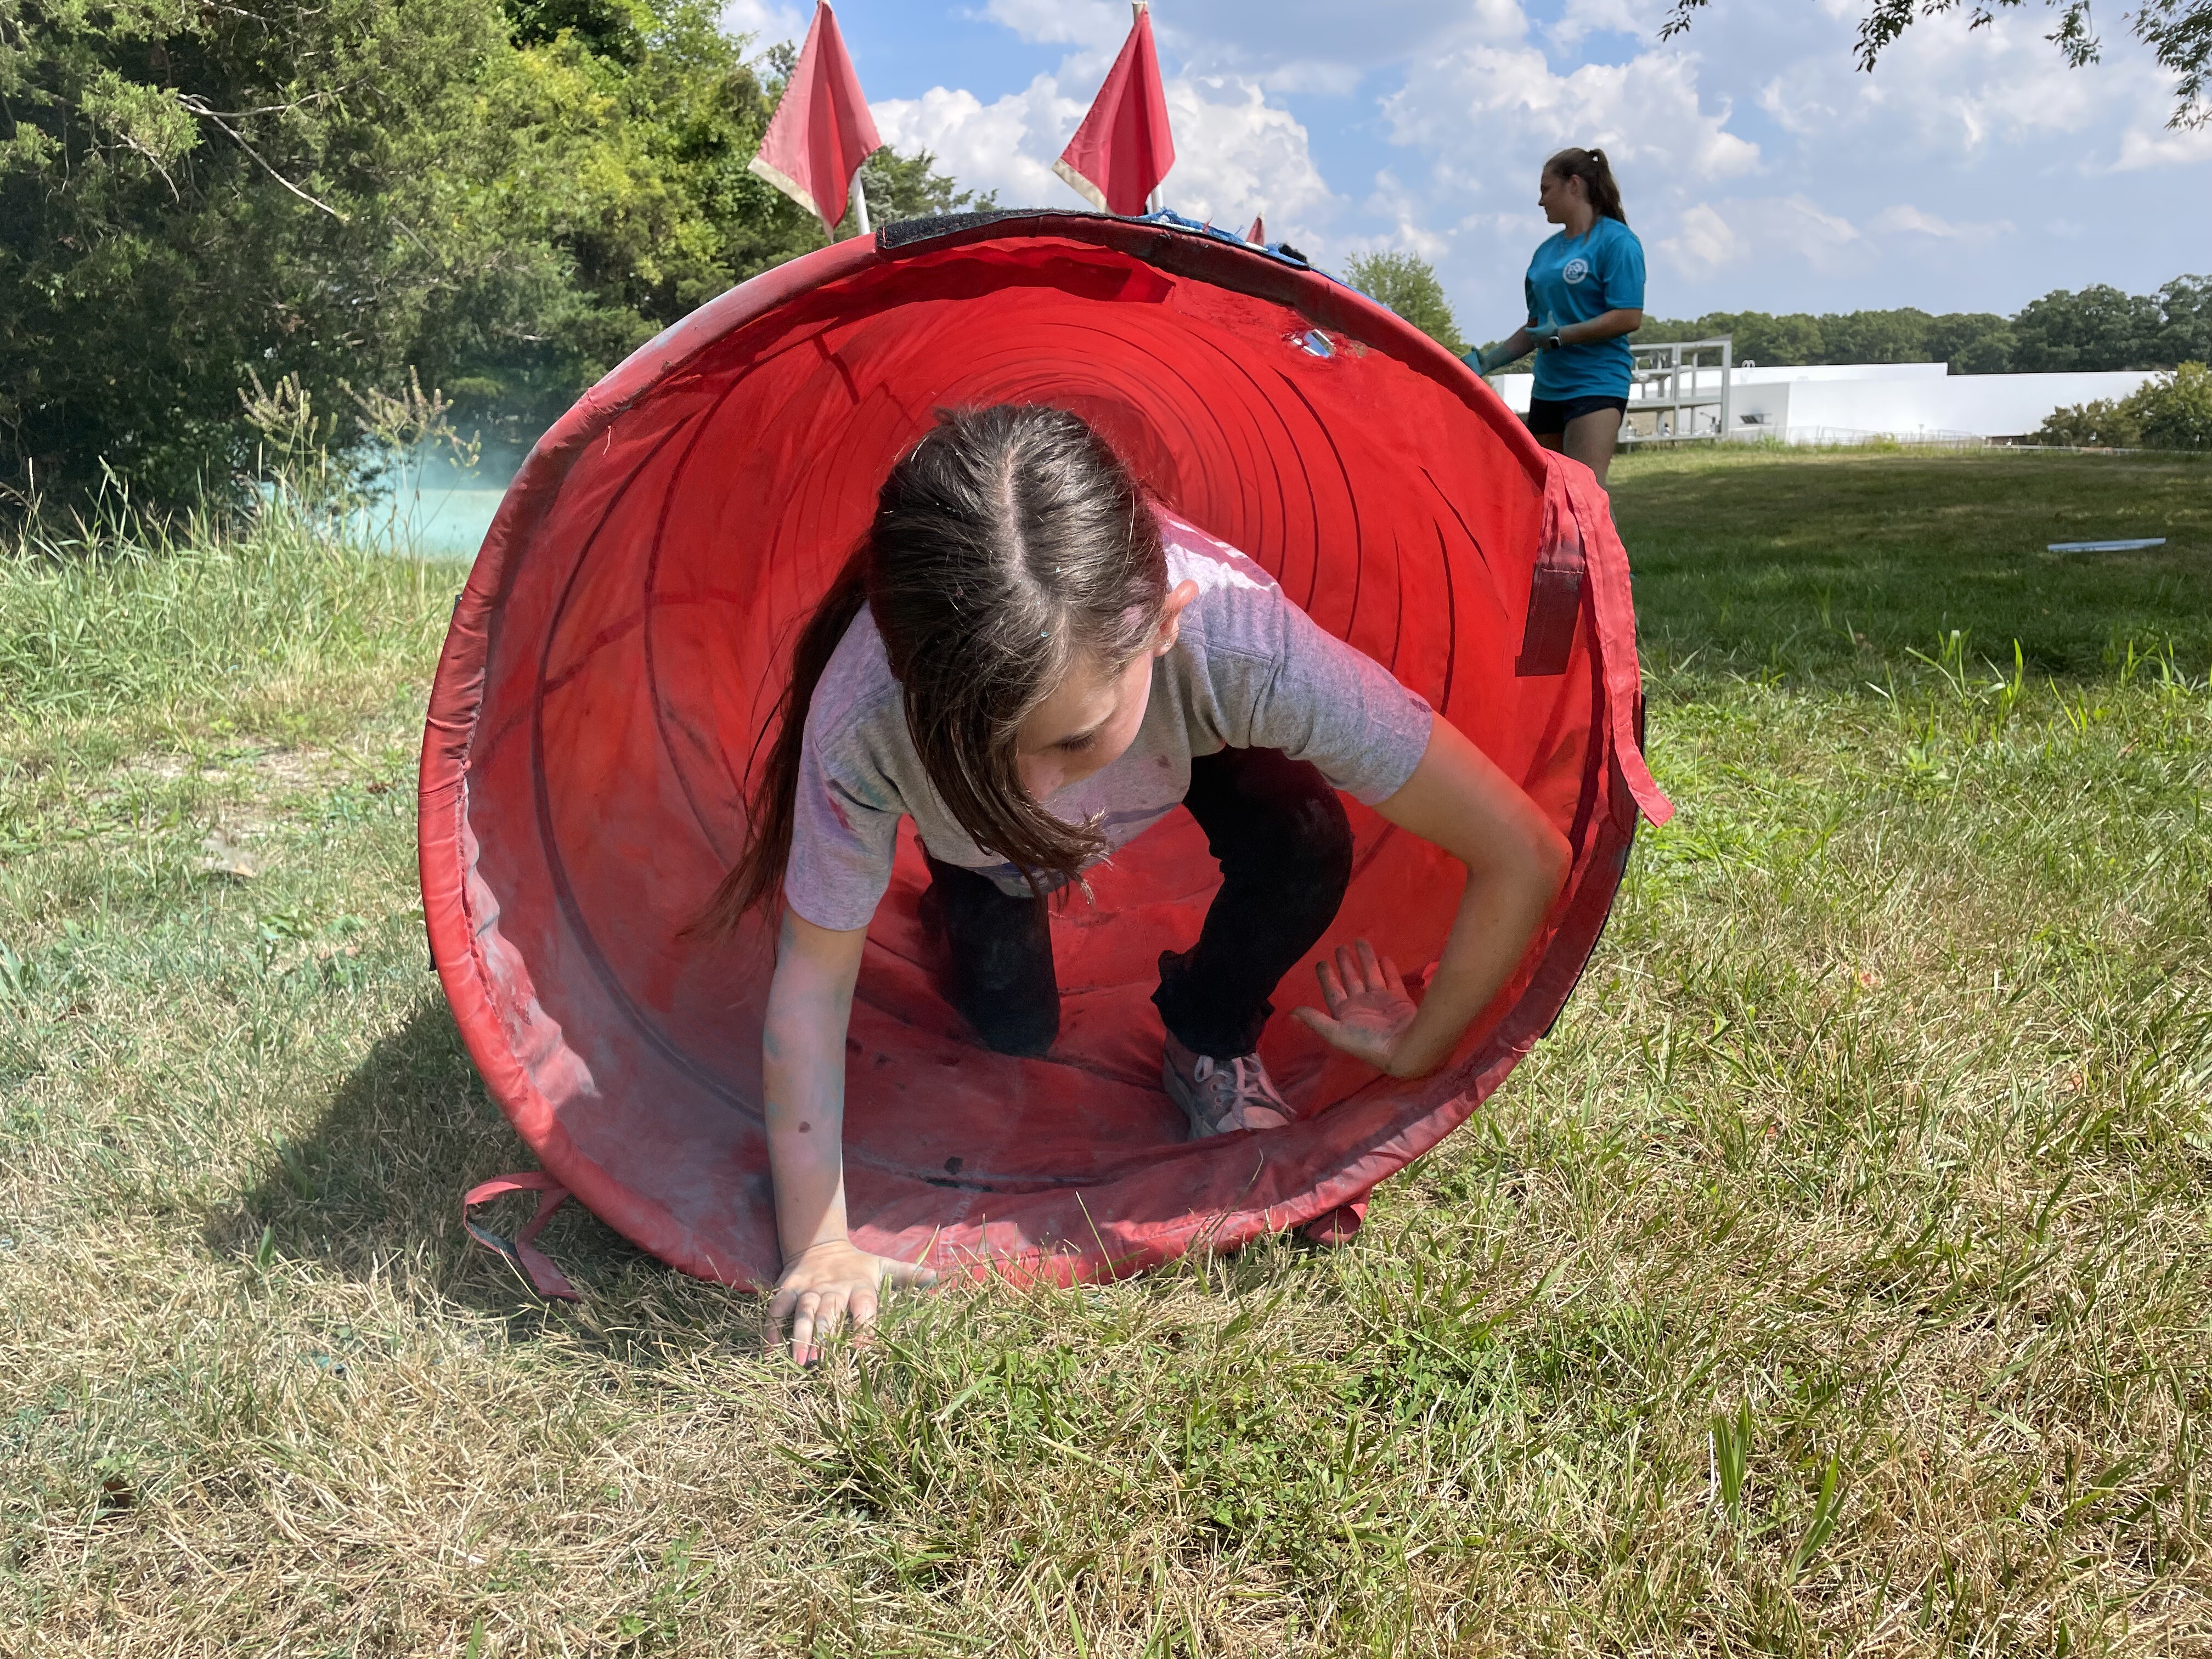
[[1409, 286], [506, 201], [2178, 32], [2098, 327], [188, 191]]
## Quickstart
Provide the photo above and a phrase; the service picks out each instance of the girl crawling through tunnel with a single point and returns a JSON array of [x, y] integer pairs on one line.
[[1036, 663]]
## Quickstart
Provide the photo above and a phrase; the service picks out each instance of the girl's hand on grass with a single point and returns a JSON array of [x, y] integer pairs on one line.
[[832, 1281], [1368, 1008]]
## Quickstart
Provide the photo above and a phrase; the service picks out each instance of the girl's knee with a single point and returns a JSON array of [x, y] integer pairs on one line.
[[1024, 1029]]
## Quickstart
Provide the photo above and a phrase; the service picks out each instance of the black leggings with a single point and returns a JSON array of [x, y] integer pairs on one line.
[[1284, 848]]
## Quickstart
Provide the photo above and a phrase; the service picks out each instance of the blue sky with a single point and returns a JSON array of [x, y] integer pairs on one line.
[[1973, 171]]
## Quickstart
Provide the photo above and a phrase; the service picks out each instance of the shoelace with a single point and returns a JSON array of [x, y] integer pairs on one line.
[[1242, 1088]]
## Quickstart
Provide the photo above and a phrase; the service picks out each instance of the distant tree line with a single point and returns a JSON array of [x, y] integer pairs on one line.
[[2097, 328], [504, 199]]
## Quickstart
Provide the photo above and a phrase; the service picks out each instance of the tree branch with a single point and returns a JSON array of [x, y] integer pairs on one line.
[[198, 106]]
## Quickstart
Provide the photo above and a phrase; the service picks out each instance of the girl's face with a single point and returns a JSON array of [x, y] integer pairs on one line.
[[1092, 716], [1554, 191]]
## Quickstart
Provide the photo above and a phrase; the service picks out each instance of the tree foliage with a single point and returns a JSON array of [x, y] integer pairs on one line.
[[505, 200], [2097, 328], [2178, 32], [1409, 286]]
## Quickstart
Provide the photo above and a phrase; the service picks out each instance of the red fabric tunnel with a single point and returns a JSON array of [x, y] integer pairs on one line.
[[624, 633]]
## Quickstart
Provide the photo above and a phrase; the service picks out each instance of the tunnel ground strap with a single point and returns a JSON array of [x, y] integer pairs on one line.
[[1572, 494], [534, 1264]]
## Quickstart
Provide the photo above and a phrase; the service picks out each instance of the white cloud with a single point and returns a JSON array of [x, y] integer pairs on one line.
[[764, 20], [1508, 101], [1946, 92], [1904, 218], [1099, 25], [1705, 243], [1330, 78], [1763, 232], [1581, 19], [1235, 154], [1409, 232], [2148, 146], [1008, 145]]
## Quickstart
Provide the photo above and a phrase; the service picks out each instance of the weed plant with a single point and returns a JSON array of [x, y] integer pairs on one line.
[[1834, 1279]]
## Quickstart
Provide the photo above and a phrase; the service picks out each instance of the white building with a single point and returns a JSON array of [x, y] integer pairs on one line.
[[1852, 403]]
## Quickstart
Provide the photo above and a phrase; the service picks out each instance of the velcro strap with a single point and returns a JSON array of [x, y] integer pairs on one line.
[[548, 1280]]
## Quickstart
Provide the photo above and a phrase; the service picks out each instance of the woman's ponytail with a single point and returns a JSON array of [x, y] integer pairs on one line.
[[1596, 173], [773, 803]]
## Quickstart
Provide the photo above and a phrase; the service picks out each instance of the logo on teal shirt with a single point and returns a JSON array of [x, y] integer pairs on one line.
[[1575, 269]]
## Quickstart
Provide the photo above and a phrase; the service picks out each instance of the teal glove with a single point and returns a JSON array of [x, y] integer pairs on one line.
[[1547, 336], [1490, 361]]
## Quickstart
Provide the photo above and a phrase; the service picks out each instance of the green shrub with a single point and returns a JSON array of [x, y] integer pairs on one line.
[[2105, 423], [2176, 410], [2170, 411]]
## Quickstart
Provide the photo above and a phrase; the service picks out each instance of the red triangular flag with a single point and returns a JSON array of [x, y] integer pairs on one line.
[[1259, 231], [1123, 148], [822, 130]]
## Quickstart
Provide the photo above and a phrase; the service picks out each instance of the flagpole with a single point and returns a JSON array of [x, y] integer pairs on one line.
[[860, 202], [1136, 9]]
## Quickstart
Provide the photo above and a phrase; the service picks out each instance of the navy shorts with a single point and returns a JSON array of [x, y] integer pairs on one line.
[[1548, 417]]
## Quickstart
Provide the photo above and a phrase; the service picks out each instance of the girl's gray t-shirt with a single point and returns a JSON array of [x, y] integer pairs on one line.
[[1249, 669]]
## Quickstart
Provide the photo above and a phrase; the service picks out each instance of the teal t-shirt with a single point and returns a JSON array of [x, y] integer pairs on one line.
[[1571, 282]]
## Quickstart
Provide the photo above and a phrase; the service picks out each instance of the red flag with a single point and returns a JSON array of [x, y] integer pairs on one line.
[[1259, 231], [1123, 148], [822, 130]]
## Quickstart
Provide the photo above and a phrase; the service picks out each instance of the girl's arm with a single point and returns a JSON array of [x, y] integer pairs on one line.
[[810, 1002], [1515, 863]]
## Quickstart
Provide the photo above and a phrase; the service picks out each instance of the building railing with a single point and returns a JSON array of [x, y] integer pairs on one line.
[[1680, 391]]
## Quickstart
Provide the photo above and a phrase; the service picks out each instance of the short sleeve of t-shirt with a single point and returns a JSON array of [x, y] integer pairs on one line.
[[846, 814], [1621, 268], [1273, 678]]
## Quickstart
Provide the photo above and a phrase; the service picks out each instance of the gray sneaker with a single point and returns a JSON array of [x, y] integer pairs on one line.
[[1220, 1096]]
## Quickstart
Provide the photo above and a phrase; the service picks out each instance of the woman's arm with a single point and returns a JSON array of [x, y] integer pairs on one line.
[[1528, 338], [1516, 862], [809, 1004], [1603, 326], [1516, 346]]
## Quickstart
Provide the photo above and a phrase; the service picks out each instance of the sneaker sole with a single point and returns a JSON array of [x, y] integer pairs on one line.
[[1171, 1081]]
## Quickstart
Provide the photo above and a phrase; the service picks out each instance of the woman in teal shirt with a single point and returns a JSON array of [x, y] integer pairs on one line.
[[1585, 289]]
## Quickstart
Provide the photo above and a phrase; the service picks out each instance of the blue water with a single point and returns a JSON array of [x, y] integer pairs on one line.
[[436, 523]]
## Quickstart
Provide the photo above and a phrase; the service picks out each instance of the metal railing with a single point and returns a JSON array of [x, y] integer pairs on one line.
[[1680, 391]]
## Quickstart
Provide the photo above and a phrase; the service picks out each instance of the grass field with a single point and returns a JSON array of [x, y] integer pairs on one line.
[[1837, 1279]]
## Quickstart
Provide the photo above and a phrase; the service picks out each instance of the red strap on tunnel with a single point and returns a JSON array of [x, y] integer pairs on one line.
[[1555, 596], [1572, 499], [548, 1280]]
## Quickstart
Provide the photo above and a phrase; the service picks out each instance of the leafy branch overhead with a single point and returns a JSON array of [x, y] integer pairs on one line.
[[2178, 32]]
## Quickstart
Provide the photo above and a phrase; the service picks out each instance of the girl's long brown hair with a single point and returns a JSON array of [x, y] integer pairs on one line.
[[1596, 173], [1007, 543]]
